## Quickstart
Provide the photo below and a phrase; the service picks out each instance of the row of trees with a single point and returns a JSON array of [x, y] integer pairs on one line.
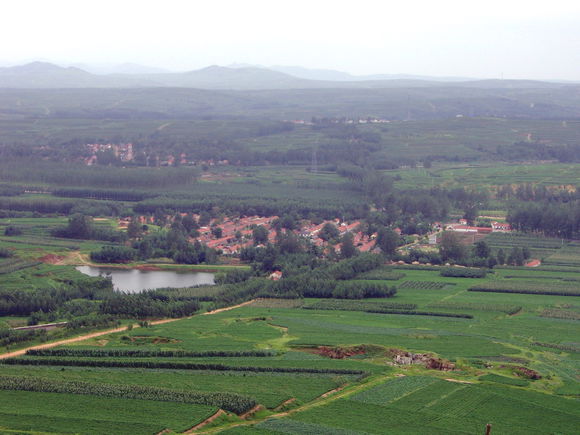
[[82, 227], [546, 217]]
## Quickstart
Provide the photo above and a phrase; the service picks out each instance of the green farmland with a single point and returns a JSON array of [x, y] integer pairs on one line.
[[286, 372]]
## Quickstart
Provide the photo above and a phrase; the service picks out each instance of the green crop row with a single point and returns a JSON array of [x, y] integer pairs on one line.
[[13, 266], [463, 272], [229, 401], [557, 346], [382, 274], [423, 285], [525, 292], [504, 308], [133, 353], [404, 309], [171, 365], [504, 380], [560, 314], [562, 288], [354, 305]]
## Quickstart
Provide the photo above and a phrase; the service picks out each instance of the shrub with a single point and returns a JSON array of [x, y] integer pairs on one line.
[[463, 272], [11, 230]]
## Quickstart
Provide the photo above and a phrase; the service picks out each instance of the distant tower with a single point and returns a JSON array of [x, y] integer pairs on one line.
[[314, 164]]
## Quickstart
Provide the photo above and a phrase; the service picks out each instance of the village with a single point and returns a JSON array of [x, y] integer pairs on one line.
[[230, 235]]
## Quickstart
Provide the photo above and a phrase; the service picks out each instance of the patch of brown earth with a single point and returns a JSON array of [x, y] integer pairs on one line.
[[338, 352], [146, 339], [251, 412], [328, 393], [458, 381], [404, 358], [51, 259], [207, 421], [527, 373], [285, 403]]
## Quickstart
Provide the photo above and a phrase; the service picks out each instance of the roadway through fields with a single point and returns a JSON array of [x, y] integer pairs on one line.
[[21, 352]]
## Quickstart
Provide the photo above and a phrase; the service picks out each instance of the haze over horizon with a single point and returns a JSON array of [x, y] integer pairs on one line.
[[515, 40]]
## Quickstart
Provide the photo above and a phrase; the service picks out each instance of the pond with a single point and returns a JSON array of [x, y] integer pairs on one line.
[[136, 280]]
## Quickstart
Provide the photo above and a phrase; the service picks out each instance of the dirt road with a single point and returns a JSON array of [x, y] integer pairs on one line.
[[21, 352]]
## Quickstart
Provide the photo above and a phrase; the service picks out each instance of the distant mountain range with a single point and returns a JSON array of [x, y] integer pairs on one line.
[[237, 77]]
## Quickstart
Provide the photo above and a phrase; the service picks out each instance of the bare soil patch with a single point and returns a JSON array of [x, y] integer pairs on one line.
[[52, 259], [207, 421]]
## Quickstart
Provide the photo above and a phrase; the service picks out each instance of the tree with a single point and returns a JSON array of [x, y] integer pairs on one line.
[[189, 223], [260, 235], [470, 213], [347, 248], [526, 253], [328, 232], [145, 250], [217, 232], [134, 229], [288, 243], [500, 257], [377, 186], [516, 257], [204, 219], [451, 248], [388, 241], [11, 230], [79, 227], [482, 249]]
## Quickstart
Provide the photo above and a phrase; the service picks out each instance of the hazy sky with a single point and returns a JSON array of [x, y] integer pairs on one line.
[[521, 39]]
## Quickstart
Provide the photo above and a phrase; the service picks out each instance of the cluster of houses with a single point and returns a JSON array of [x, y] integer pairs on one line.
[[123, 152], [362, 242], [470, 234], [367, 120], [236, 233]]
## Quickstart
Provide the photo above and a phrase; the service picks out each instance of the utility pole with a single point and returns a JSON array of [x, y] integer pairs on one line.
[[314, 165]]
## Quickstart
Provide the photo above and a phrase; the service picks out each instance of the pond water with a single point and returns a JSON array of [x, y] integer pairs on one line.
[[135, 280]]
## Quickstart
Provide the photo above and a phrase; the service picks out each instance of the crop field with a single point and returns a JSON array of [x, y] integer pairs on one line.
[[567, 256], [36, 242], [563, 288], [540, 247], [35, 275], [267, 353], [437, 406], [52, 412], [425, 285]]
